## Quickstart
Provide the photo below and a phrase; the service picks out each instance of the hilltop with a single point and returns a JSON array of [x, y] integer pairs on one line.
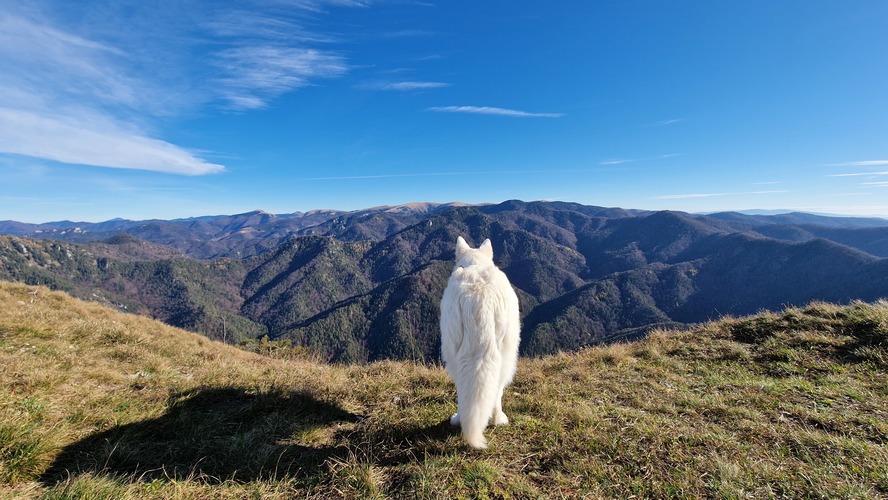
[[97, 403]]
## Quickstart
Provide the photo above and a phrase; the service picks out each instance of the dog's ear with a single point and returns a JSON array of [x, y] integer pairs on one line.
[[461, 246], [487, 248]]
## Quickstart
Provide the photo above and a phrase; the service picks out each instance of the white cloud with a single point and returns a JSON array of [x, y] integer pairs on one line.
[[710, 195], [70, 99], [858, 174], [866, 163], [406, 86], [876, 184], [620, 161], [663, 123], [487, 110], [256, 74], [88, 140], [408, 33], [687, 196], [42, 60], [251, 25], [444, 174], [318, 5], [85, 93], [270, 53]]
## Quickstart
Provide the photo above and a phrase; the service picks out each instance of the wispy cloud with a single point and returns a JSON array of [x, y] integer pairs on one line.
[[63, 78], [710, 195], [67, 98], [487, 110], [663, 123], [271, 52], [257, 74], [865, 163], [687, 196], [621, 161], [237, 24], [44, 62], [408, 33], [319, 5], [866, 171], [859, 174], [85, 141], [405, 86], [444, 174]]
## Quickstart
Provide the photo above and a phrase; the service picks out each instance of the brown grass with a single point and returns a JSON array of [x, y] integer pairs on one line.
[[97, 404]]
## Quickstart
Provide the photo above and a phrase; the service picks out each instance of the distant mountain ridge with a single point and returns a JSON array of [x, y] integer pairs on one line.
[[801, 218], [249, 233], [238, 235], [365, 285]]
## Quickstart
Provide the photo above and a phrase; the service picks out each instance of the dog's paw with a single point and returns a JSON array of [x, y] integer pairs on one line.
[[454, 419], [500, 419]]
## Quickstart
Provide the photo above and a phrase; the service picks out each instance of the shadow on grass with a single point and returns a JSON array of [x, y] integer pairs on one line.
[[403, 444], [213, 434], [219, 434]]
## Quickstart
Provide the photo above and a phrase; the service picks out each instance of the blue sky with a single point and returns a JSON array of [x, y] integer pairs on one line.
[[162, 110]]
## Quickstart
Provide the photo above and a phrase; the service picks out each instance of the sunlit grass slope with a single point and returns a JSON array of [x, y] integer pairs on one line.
[[98, 404]]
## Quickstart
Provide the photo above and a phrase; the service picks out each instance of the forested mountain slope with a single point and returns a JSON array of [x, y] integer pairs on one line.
[[366, 286]]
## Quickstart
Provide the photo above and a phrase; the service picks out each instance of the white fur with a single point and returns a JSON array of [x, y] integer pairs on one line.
[[480, 328]]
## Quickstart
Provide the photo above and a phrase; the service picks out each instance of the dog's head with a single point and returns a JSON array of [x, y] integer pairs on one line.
[[467, 256]]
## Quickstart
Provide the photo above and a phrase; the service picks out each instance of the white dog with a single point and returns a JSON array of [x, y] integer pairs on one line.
[[479, 339]]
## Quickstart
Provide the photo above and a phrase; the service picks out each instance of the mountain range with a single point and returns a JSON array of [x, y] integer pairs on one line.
[[365, 285], [239, 235]]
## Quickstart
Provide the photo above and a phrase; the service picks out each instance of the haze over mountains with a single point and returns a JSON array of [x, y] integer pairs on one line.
[[365, 285]]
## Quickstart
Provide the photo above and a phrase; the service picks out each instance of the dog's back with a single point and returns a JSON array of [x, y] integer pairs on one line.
[[479, 338]]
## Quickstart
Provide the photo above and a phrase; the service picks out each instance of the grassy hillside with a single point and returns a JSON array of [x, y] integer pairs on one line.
[[96, 404]]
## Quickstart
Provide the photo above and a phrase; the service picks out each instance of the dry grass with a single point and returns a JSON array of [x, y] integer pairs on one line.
[[96, 404]]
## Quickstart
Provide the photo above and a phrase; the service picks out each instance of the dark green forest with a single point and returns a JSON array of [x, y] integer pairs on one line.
[[365, 286]]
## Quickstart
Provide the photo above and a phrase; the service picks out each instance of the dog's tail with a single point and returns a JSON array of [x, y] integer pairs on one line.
[[482, 379]]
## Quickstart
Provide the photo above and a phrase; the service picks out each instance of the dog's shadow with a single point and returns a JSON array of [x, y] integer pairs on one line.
[[221, 434]]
